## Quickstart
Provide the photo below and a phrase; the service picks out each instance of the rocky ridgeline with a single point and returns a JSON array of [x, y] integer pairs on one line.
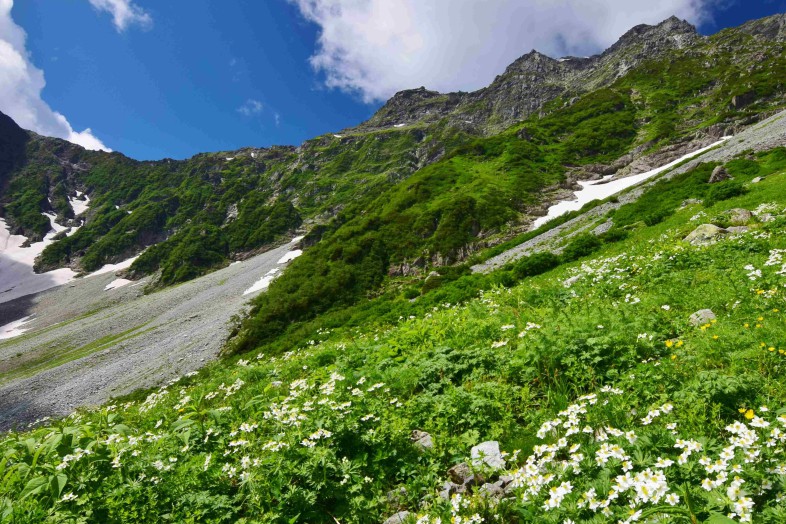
[[536, 79]]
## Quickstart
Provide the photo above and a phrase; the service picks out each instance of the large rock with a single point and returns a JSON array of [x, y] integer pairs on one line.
[[705, 234], [702, 316], [739, 216], [488, 454], [719, 174]]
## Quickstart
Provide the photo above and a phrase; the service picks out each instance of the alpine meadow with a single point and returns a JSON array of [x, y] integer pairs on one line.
[[558, 299]]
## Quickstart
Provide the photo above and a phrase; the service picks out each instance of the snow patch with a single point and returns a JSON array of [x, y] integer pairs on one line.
[[230, 158], [339, 136], [264, 282], [116, 283], [13, 329], [109, 268], [600, 189], [292, 255], [17, 278], [399, 125], [79, 206]]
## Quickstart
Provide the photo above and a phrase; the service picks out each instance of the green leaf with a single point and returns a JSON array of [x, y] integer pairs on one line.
[[56, 485], [717, 518], [33, 487]]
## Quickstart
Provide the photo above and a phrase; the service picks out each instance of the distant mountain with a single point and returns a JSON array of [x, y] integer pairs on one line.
[[463, 170]]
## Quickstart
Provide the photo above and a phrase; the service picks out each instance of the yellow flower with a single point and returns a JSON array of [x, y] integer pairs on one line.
[[775, 310], [759, 291], [747, 325], [749, 414], [742, 410], [771, 349], [714, 337], [762, 344], [669, 343], [758, 325], [760, 319], [680, 343], [674, 357], [714, 320]]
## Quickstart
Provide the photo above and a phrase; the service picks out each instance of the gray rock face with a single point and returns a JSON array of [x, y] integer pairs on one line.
[[488, 454], [422, 440], [701, 316], [705, 234], [737, 230], [739, 216], [398, 518], [533, 80], [719, 174]]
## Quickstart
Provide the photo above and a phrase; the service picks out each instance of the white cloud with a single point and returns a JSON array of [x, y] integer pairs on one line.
[[21, 84], [124, 13], [377, 47], [251, 107]]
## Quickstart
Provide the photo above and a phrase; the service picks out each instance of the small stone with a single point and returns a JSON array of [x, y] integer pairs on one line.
[[398, 518], [705, 234], [459, 473], [719, 174], [505, 479], [737, 230], [756, 180], [690, 202], [488, 454], [702, 316]]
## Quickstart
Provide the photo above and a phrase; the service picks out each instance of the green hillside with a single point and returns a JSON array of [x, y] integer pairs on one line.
[[636, 375], [321, 432]]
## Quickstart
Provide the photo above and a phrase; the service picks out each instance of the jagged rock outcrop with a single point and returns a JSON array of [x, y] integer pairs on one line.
[[533, 80]]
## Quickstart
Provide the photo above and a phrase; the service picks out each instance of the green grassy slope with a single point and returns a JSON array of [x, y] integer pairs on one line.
[[320, 432]]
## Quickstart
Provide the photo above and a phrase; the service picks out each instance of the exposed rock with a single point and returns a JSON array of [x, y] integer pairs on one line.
[[488, 454], [231, 213], [422, 440], [494, 490], [766, 217], [737, 230], [757, 180], [397, 497], [705, 234], [460, 473], [719, 174], [603, 228], [739, 216], [690, 202], [398, 518], [701, 316], [742, 100]]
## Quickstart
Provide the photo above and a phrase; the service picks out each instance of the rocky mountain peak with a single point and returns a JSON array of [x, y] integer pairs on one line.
[[672, 32], [772, 27]]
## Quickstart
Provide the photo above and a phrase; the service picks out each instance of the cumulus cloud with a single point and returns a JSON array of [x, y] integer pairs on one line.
[[376, 47], [251, 107], [21, 84], [124, 13]]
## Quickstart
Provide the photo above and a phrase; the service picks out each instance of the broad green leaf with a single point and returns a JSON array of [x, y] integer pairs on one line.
[[33, 487], [56, 485], [717, 518]]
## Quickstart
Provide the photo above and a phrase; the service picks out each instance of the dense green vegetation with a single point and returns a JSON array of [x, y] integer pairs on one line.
[[320, 431]]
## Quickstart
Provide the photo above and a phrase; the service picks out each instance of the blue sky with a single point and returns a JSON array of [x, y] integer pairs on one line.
[[198, 75]]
